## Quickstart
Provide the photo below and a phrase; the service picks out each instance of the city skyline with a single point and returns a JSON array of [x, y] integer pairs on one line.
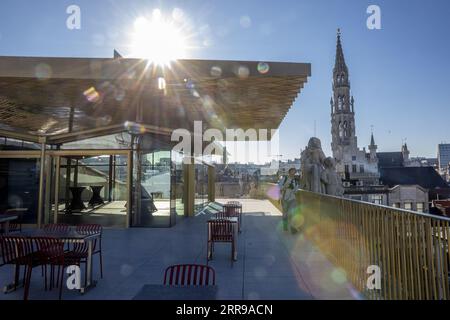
[[398, 74]]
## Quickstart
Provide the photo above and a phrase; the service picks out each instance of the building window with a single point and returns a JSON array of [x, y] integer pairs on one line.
[[377, 199], [347, 168], [341, 130], [397, 205], [353, 158], [340, 102], [361, 168], [419, 207], [354, 168], [408, 206]]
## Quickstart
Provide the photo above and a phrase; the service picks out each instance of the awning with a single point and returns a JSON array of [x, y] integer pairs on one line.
[[66, 99]]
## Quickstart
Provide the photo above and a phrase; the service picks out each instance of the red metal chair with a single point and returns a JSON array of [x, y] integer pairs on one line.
[[50, 251], [189, 275], [56, 227], [220, 230], [233, 209], [19, 251], [80, 250], [14, 250]]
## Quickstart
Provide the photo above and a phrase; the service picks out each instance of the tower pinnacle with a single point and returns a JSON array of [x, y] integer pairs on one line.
[[339, 63]]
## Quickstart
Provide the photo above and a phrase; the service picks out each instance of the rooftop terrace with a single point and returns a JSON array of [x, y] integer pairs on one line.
[[271, 264]]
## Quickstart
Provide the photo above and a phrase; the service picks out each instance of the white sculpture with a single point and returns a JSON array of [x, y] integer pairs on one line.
[[312, 159], [331, 182], [318, 172]]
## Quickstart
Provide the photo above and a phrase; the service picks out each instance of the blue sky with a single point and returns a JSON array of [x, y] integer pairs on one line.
[[399, 74]]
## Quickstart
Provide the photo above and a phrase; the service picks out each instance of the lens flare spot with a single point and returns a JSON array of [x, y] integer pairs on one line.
[[298, 221], [274, 193], [126, 270], [245, 22], [260, 272], [177, 14], [92, 95], [263, 67], [243, 72], [339, 276], [216, 71], [43, 71]]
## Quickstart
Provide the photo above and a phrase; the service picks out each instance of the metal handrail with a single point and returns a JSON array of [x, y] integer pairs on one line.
[[410, 248]]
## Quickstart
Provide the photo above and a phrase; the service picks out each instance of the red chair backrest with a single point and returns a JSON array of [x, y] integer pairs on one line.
[[54, 227], [49, 248], [222, 214], [87, 229], [221, 230], [14, 247], [189, 275], [231, 210]]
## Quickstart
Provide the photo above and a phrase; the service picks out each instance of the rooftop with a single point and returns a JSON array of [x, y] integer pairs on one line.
[[271, 264], [56, 96]]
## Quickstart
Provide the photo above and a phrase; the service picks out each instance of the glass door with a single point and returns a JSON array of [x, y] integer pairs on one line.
[[155, 208]]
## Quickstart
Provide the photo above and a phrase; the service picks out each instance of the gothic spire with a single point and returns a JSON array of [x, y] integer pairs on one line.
[[372, 140], [339, 64]]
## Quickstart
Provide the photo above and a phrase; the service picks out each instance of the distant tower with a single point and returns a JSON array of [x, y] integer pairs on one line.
[[405, 152], [373, 149], [342, 108]]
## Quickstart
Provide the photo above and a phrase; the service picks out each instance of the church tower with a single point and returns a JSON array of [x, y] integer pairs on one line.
[[356, 167], [373, 149], [342, 108]]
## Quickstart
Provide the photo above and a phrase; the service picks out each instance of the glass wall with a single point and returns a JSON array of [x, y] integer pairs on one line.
[[144, 184], [19, 187], [93, 188], [178, 182], [201, 185], [155, 208]]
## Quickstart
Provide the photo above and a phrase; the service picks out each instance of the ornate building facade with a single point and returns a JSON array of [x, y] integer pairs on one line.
[[388, 178], [356, 167]]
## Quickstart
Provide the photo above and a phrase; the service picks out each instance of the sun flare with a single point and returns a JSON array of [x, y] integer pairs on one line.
[[158, 39]]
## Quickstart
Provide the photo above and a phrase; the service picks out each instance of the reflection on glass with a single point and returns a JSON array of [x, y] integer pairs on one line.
[[201, 186], [155, 205], [95, 185], [19, 188], [178, 182]]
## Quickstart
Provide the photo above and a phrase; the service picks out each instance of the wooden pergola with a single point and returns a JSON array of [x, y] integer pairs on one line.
[[67, 99]]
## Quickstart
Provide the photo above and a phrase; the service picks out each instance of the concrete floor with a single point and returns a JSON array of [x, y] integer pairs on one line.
[[271, 264]]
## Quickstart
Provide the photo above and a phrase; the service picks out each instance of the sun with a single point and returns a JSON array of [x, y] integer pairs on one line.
[[157, 39]]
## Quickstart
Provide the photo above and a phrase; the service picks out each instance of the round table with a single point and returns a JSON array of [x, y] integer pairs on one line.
[[96, 197], [76, 204]]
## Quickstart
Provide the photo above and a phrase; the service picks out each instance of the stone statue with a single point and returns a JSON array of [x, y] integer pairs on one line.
[[331, 182], [312, 159]]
